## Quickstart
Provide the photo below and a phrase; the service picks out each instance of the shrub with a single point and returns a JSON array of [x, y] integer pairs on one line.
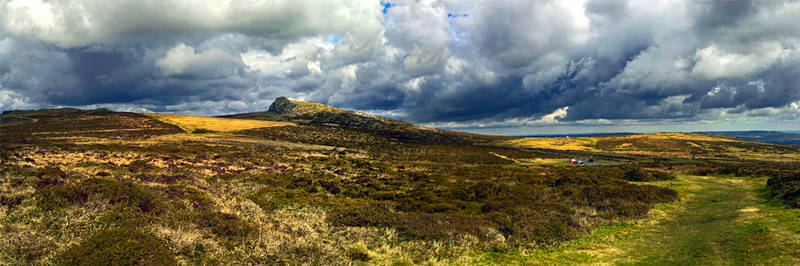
[[332, 187], [11, 201], [271, 198], [437, 226], [225, 225], [198, 198], [358, 252], [363, 213], [25, 245], [525, 226], [785, 188], [138, 166], [50, 176], [638, 174], [115, 192], [661, 175], [118, 246], [126, 216]]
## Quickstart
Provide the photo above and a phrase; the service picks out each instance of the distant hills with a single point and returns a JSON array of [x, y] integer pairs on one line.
[[775, 137], [675, 145], [761, 136]]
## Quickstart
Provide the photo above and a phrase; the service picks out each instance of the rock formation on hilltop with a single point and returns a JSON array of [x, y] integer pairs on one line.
[[310, 113], [292, 108], [281, 105]]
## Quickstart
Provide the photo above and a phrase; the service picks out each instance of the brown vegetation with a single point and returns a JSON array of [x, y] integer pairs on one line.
[[309, 193]]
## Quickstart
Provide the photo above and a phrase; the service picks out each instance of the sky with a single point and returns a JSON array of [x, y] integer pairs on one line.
[[507, 67]]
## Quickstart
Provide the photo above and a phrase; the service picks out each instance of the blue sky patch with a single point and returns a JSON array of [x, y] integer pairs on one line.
[[386, 6]]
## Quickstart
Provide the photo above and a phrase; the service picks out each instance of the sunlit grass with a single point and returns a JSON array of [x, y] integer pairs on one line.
[[576, 144], [192, 123], [682, 145], [719, 220]]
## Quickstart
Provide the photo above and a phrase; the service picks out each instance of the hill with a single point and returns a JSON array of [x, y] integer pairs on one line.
[[305, 183], [775, 137], [680, 145], [315, 114]]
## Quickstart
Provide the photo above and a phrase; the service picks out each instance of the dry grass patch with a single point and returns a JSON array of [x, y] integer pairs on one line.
[[578, 144], [192, 123]]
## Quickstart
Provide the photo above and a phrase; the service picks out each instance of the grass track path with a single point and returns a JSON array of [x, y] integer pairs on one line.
[[718, 221]]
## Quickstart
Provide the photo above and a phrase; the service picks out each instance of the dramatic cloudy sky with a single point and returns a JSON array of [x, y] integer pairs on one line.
[[505, 67]]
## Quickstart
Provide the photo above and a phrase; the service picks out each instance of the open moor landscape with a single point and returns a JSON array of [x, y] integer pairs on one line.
[[306, 183]]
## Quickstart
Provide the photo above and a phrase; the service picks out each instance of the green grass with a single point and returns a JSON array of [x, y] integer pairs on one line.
[[719, 220]]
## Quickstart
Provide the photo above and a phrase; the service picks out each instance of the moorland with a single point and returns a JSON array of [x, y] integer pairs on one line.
[[309, 183]]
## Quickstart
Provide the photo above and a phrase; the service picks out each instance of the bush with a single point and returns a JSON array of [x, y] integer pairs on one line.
[[363, 213], [358, 252], [523, 226], [785, 188], [62, 195], [661, 175], [138, 166], [438, 226], [638, 174], [50, 176], [271, 198], [118, 246], [198, 198], [225, 225], [25, 245]]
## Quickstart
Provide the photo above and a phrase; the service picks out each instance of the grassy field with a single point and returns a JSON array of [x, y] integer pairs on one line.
[[719, 220], [575, 144], [679, 145], [192, 123]]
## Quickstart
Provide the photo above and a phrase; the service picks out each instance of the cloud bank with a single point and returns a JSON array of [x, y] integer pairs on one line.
[[451, 63]]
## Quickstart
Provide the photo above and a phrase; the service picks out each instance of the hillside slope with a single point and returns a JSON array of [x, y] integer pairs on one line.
[[682, 145], [71, 124], [316, 114], [761, 136]]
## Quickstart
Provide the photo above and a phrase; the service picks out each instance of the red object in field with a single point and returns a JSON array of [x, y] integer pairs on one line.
[[573, 161]]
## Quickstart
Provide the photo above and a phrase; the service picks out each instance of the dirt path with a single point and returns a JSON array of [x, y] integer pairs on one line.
[[718, 221]]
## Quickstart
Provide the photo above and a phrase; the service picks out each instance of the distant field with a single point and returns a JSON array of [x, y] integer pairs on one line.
[[787, 137], [192, 123], [574, 144], [667, 144]]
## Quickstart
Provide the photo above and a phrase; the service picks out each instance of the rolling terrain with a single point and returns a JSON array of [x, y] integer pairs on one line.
[[763, 136], [669, 145], [309, 183]]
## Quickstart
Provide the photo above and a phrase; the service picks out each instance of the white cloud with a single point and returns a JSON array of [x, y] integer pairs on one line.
[[304, 57], [555, 115], [10, 100], [69, 23], [713, 62], [182, 58]]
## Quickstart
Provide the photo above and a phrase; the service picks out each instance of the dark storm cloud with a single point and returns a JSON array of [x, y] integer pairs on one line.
[[711, 15], [115, 74], [496, 63]]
